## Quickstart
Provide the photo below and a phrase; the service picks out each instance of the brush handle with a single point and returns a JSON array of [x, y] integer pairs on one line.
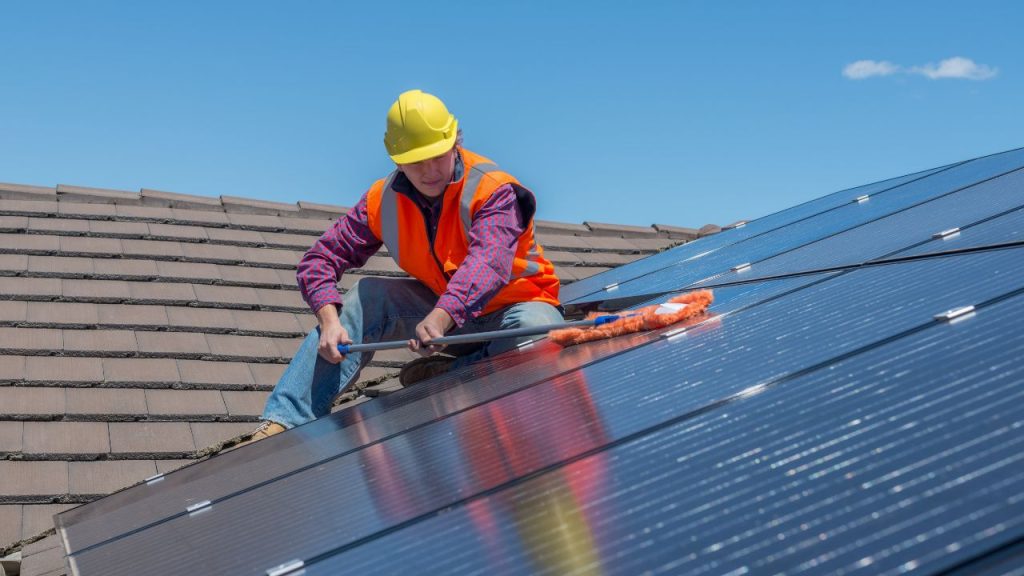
[[480, 336]]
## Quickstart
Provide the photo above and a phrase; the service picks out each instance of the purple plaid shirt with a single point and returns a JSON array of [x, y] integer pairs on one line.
[[349, 243]]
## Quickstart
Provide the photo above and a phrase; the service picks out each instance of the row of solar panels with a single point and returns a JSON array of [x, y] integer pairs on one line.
[[840, 229], [814, 422]]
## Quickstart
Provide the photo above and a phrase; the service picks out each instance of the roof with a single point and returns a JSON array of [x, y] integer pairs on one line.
[[850, 404], [139, 331]]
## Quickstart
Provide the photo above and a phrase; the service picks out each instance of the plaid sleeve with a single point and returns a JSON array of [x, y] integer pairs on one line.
[[347, 244]]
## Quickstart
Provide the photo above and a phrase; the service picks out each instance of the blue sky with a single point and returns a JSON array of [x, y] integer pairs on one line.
[[677, 113]]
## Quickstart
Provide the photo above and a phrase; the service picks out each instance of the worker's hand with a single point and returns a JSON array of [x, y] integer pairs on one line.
[[332, 333], [433, 326]]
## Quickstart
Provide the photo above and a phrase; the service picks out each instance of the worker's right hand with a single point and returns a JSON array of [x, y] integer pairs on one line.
[[332, 333]]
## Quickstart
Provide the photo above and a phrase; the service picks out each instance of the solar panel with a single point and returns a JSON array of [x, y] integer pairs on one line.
[[1005, 228], [417, 474], [890, 234], [331, 437], [578, 290], [905, 458], [809, 230]]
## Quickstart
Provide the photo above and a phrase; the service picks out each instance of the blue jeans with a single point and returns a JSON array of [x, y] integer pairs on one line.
[[374, 310]]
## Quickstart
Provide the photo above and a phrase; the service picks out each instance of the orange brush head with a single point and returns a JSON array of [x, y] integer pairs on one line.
[[646, 318]]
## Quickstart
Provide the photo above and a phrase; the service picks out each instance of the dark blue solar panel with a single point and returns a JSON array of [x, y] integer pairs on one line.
[[816, 228], [348, 430], [578, 290], [425, 471], [906, 458], [1002, 229], [892, 233], [1007, 560]]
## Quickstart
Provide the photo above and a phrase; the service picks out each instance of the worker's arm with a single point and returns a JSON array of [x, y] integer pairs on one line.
[[493, 236], [347, 244]]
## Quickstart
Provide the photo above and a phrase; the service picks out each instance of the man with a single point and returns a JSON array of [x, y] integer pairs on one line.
[[458, 225]]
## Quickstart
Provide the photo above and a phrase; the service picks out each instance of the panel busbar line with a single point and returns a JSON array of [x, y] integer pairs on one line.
[[328, 438], [804, 232], [750, 232], [425, 471], [895, 232], [906, 458], [1002, 229]]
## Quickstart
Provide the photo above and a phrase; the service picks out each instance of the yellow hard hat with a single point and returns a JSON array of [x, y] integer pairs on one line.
[[419, 127]]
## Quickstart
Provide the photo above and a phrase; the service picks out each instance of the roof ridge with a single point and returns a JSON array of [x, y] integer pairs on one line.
[[151, 198]]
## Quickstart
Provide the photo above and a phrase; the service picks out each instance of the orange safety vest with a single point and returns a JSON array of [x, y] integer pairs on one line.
[[398, 223]]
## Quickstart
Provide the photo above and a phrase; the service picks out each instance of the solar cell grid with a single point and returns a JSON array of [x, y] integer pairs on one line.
[[890, 234], [818, 227], [906, 458], [753, 229], [417, 474]]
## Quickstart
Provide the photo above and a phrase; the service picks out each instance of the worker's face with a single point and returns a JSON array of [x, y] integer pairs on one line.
[[431, 176]]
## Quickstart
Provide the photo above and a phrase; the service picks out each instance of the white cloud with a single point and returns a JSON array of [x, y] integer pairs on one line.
[[956, 67], [862, 69]]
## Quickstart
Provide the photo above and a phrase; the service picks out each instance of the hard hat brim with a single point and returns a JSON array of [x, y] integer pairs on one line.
[[429, 151]]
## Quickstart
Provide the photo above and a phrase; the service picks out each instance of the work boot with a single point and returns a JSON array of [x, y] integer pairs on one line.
[[265, 430], [423, 368]]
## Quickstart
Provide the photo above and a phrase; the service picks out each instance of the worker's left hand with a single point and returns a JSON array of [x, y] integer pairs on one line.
[[433, 326]]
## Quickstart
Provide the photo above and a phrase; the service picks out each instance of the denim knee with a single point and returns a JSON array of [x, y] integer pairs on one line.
[[358, 291], [529, 314]]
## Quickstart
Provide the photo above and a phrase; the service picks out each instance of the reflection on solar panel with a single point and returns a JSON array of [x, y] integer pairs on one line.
[[852, 403]]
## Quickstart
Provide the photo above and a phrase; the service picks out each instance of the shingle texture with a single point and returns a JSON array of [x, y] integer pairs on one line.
[[139, 329]]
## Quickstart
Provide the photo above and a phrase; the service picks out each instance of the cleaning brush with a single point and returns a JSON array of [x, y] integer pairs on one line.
[[647, 318], [594, 327]]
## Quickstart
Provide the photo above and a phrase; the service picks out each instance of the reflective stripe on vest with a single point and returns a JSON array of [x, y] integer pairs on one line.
[[389, 217], [469, 189], [532, 265], [476, 173]]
